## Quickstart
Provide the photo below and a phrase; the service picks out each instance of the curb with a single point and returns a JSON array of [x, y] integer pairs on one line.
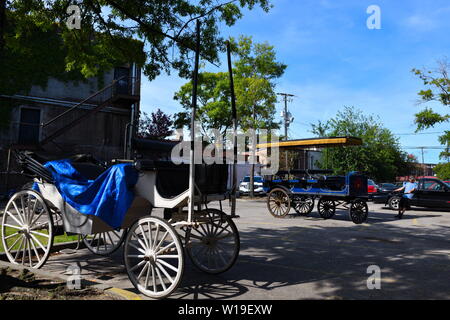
[[125, 294], [120, 293]]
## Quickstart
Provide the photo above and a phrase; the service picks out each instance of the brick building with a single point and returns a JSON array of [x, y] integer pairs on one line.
[[92, 116]]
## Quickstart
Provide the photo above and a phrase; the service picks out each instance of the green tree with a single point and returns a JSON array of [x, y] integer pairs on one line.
[[36, 43], [214, 107], [437, 89], [380, 156], [443, 171], [255, 71], [108, 25]]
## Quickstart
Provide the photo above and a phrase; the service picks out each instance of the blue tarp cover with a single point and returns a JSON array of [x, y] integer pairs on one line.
[[107, 197]]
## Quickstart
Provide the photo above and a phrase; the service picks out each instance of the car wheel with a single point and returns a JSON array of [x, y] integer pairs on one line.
[[394, 203]]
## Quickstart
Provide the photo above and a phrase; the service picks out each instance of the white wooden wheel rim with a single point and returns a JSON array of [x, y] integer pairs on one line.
[[104, 243], [153, 257], [278, 203], [27, 229], [214, 245]]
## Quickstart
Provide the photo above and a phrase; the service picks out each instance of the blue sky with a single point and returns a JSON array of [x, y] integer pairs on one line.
[[334, 60]]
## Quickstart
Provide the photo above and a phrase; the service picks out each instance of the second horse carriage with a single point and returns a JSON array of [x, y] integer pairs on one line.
[[348, 192]]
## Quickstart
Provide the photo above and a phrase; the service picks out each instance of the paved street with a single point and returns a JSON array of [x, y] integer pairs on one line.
[[310, 258]]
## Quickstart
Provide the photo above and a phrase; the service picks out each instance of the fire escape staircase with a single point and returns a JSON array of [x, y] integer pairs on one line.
[[113, 93]]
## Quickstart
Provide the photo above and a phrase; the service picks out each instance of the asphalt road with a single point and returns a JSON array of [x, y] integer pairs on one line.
[[311, 258]]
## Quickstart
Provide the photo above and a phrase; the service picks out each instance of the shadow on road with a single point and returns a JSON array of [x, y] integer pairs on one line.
[[330, 263]]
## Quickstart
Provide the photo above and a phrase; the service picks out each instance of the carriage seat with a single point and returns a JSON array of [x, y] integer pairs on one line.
[[172, 179], [85, 164], [88, 170]]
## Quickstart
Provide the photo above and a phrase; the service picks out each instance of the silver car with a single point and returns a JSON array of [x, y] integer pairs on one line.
[[244, 186]]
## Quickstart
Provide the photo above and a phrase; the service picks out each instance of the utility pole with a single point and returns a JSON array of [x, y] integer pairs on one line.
[[288, 119], [423, 161]]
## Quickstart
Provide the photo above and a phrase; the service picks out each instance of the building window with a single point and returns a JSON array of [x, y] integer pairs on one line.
[[29, 128], [122, 74]]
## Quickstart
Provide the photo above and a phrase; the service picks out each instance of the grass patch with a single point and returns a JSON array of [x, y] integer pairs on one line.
[[58, 239]]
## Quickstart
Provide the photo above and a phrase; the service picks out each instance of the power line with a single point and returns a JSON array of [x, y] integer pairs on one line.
[[425, 148], [415, 134]]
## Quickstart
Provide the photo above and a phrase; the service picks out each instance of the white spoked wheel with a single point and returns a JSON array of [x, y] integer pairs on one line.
[[214, 245], [153, 257], [104, 243], [27, 229]]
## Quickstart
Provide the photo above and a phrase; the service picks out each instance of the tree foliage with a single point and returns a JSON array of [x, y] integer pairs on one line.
[[35, 42], [380, 156], [112, 28], [158, 126], [437, 84], [254, 72], [443, 171]]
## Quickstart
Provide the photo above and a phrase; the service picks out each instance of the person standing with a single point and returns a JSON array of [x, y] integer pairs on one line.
[[409, 188]]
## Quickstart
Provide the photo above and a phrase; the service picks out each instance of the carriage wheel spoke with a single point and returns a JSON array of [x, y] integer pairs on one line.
[[39, 243], [168, 265], [15, 242], [142, 271], [147, 275], [40, 234], [12, 226], [18, 212], [12, 235], [29, 252], [166, 247], [161, 281], [164, 271], [137, 265], [144, 237], [161, 242], [137, 248], [150, 240], [20, 248], [153, 278], [14, 218], [156, 234], [35, 251], [140, 241], [37, 218]]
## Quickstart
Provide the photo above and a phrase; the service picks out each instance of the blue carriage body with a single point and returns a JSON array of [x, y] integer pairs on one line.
[[351, 185]]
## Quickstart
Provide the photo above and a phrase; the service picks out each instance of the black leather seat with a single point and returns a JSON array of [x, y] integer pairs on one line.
[[88, 170]]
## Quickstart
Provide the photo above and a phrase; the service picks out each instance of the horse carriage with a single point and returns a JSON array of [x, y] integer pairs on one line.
[[347, 192], [111, 205]]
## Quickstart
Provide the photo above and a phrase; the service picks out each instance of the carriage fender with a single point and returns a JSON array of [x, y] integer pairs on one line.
[[288, 191]]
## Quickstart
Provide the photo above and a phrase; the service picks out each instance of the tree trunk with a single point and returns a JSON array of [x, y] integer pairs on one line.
[[2, 25], [252, 178]]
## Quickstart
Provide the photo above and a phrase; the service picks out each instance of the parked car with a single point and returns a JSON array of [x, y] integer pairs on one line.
[[430, 193], [372, 188], [383, 192], [244, 186]]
